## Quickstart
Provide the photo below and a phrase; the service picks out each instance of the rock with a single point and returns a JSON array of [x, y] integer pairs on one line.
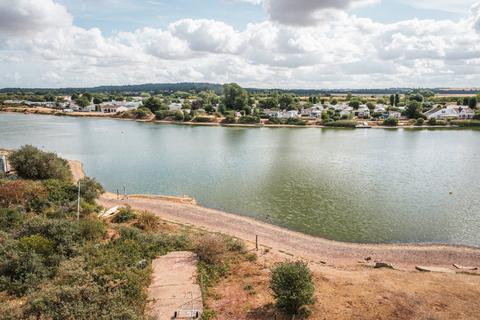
[[434, 269], [368, 258], [379, 265], [142, 264]]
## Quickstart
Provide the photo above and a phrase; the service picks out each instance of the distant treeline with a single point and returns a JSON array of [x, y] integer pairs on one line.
[[218, 88]]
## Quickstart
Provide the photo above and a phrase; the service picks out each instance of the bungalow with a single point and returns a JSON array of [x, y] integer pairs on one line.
[[466, 113], [313, 112], [380, 108], [445, 114], [175, 106], [394, 114], [114, 106], [362, 112], [272, 113], [289, 114]]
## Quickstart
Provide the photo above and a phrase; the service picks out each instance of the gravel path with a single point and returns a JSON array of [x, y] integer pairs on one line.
[[298, 244]]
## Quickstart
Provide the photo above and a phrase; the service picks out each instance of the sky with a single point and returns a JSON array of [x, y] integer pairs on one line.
[[317, 44]]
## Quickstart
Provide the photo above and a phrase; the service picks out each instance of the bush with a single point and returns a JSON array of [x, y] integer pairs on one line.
[[147, 221], [90, 189], [37, 244], [92, 229], [432, 122], [292, 286], [204, 119], [419, 122], [210, 248], [249, 120], [179, 115], [390, 122], [342, 124], [124, 215], [295, 122], [9, 219], [30, 194], [275, 120], [465, 123], [32, 163], [60, 191], [164, 114], [229, 119]]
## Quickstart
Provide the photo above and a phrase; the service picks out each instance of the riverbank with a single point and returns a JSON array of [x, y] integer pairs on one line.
[[289, 243], [47, 111]]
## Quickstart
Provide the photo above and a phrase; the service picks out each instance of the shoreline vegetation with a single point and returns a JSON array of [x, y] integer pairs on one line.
[[458, 124]]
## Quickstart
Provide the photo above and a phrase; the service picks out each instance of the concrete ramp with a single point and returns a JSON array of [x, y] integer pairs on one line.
[[174, 289]]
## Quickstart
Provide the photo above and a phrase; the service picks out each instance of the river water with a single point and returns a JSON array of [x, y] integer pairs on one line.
[[369, 186]]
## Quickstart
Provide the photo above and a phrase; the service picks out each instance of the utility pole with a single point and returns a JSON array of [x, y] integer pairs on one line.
[[78, 201]]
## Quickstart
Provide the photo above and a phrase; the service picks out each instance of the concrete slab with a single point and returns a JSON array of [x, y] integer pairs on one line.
[[174, 287]]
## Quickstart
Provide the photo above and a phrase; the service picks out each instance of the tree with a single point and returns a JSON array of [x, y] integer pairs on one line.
[[32, 163], [397, 99], [234, 96], [392, 100], [285, 101], [82, 102], [292, 286], [472, 102], [90, 189], [354, 103], [152, 103], [269, 103], [414, 110]]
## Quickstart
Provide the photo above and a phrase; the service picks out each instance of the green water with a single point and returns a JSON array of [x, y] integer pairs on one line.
[[377, 186]]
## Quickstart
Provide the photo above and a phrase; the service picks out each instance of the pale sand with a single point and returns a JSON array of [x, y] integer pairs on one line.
[[182, 211]]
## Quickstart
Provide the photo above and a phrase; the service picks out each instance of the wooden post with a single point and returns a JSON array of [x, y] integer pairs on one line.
[[256, 242]]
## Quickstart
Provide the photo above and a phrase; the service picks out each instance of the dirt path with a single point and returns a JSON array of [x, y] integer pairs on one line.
[[298, 244], [77, 170], [177, 291]]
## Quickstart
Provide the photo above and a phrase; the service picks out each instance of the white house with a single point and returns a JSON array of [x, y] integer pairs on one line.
[[466, 113], [380, 108], [394, 114], [289, 114], [445, 114], [362, 112], [175, 106], [272, 113]]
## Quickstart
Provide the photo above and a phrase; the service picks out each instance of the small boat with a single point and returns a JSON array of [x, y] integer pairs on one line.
[[363, 125]]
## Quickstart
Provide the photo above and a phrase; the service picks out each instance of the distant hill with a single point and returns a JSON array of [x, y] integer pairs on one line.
[[197, 87]]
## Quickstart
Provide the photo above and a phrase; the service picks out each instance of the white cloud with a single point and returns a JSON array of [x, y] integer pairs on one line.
[[347, 51], [22, 16]]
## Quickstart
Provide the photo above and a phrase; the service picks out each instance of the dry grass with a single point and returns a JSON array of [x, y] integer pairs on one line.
[[355, 293]]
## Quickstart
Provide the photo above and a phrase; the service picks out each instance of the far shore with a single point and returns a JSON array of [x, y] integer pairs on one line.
[[185, 211], [100, 115]]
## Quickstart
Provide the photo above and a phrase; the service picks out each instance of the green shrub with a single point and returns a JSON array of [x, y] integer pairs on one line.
[[295, 122], [465, 123], [230, 119], [275, 120], [342, 124], [38, 244], [390, 122], [147, 221], [249, 120], [292, 286], [32, 163], [432, 122], [187, 117], [419, 122], [90, 189], [124, 214], [60, 191], [203, 119], [179, 115], [9, 219], [164, 114], [91, 229]]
